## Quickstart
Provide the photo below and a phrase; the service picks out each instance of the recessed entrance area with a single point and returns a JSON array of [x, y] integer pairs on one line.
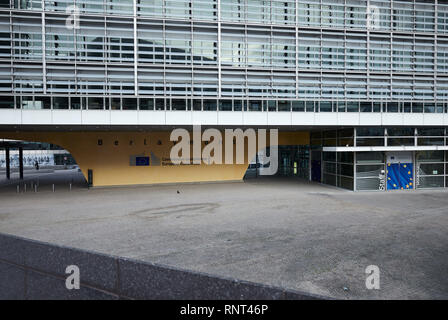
[[293, 161]]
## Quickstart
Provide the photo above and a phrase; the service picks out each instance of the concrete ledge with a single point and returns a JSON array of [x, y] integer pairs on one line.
[[42, 286], [12, 282], [98, 271], [36, 270]]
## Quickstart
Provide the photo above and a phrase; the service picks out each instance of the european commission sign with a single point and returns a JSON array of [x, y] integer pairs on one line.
[[230, 148]]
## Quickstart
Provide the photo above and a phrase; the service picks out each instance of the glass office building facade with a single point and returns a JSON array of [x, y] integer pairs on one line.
[[296, 58], [361, 158], [230, 55]]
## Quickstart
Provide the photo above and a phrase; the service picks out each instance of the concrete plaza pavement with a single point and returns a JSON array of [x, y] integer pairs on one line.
[[282, 232]]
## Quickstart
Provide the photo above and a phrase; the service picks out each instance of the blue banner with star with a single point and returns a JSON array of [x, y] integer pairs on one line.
[[400, 176]]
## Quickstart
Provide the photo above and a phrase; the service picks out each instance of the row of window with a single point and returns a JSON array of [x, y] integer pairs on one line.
[[33, 85], [370, 132], [256, 86], [105, 40], [120, 103], [209, 90], [386, 15], [381, 137], [111, 79]]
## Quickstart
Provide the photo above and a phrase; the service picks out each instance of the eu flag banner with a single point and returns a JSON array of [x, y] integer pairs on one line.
[[400, 176], [142, 161]]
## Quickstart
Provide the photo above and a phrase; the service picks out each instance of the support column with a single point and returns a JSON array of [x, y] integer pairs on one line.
[[8, 164], [256, 164], [21, 163]]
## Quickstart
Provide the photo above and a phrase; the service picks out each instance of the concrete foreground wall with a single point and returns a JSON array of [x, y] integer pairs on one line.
[[36, 270]]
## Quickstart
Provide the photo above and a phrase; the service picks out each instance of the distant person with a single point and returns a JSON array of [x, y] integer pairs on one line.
[[36, 164]]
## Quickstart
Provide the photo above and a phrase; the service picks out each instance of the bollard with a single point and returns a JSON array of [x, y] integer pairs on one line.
[[18, 188], [70, 186], [24, 187], [53, 187], [35, 188]]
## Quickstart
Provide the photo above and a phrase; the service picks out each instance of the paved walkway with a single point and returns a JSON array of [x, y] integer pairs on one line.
[[282, 232]]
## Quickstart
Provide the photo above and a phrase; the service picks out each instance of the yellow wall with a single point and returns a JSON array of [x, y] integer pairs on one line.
[[111, 163]]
